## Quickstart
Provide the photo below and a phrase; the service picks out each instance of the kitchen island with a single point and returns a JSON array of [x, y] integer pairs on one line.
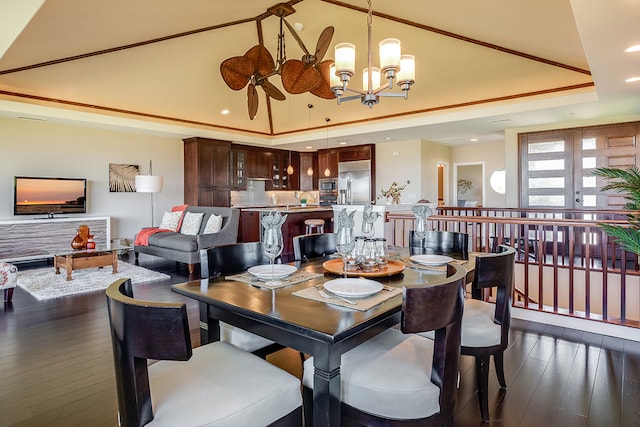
[[250, 229]]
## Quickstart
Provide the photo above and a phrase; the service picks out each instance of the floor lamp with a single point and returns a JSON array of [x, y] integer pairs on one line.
[[149, 184]]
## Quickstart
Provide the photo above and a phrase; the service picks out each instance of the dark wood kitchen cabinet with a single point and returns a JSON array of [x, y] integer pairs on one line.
[[328, 159], [308, 182], [259, 164], [249, 226], [358, 152], [238, 172], [207, 172]]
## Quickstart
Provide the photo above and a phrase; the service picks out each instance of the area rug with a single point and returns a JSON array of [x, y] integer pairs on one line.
[[44, 284]]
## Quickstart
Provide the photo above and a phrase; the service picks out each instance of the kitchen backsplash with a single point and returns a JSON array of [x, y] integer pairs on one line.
[[257, 195]]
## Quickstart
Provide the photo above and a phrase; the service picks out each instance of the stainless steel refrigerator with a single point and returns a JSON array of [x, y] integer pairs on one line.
[[354, 181]]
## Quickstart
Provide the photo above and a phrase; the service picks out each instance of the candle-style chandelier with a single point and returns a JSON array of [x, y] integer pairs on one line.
[[393, 65]]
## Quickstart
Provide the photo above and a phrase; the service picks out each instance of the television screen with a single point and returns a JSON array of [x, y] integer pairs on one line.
[[34, 196]]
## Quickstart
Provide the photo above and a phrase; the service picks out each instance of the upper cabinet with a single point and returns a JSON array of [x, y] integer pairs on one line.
[[238, 171], [328, 159], [259, 163], [358, 152], [308, 182]]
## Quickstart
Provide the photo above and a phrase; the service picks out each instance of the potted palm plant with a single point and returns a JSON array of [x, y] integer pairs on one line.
[[624, 181]]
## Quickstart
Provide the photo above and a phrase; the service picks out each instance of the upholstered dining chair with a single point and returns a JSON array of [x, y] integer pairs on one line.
[[225, 260], [215, 384], [399, 377], [450, 243], [309, 246], [485, 326]]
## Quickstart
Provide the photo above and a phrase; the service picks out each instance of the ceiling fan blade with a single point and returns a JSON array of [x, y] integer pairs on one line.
[[298, 77], [261, 59], [323, 43], [323, 90], [252, 101], [272, 91], [236, 71]]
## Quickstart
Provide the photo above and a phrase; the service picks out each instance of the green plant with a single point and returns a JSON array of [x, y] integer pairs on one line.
[[394, 191], [464, 185], [624, 181]]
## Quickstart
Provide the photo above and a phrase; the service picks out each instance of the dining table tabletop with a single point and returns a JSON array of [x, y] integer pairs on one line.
[[302, 315]]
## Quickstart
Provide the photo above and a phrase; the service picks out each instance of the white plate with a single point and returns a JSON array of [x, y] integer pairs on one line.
[[279, 271], [353, 288], [431, 259]]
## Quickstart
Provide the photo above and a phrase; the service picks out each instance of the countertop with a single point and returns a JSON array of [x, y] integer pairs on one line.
[[285, 209]]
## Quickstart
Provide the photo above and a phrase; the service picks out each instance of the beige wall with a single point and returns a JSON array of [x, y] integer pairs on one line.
[[34, 148], [493, 156]]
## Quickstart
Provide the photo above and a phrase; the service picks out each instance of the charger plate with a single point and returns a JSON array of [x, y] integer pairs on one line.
[[335, 266]]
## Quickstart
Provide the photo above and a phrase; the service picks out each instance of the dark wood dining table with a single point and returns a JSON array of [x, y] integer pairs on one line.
[[317, 328]]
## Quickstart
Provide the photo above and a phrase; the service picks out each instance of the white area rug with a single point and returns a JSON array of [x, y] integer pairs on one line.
[[44, 284]]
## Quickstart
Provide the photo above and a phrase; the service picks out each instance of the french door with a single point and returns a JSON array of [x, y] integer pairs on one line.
[[555, 166]]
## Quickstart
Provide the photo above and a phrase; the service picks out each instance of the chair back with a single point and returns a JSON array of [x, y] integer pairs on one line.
[[142, 330], [450, 243], [439, 308], [496, 270], [230, 259], [309, 246]]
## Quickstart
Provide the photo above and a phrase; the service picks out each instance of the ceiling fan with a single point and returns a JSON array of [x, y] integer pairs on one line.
[[310, 74], [254, 68]]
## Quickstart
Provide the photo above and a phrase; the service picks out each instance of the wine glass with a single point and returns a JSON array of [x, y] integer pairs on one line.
[[345, 243], [272, 244], [420, 231]]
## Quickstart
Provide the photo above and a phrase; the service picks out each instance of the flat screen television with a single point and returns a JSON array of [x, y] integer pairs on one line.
[[37, 196]]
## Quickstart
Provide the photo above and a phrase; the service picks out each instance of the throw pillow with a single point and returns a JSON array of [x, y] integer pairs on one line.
[[213, 225], [191, 223], [170, 221]]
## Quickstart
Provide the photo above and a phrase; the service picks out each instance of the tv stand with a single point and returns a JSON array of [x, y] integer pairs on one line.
[[31, 239]]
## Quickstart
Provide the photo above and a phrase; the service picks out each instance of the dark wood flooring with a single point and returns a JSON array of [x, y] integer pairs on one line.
[[56, 367]]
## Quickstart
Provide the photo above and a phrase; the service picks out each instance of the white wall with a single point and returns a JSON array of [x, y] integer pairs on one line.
[[34, 148], [493, 156], [399, 161]]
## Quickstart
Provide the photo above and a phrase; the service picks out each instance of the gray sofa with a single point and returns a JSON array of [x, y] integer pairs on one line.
[[186, 248]]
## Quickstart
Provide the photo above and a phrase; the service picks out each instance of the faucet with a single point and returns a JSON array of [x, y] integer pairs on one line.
[[297, 198]]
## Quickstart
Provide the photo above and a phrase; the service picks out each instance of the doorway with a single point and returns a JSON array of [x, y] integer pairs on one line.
[[468, 184]]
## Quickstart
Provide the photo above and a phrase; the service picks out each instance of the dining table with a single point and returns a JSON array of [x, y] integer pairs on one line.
[[300, 314]]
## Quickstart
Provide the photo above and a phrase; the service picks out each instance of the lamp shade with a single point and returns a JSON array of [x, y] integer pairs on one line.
[[345, 58], [148, 184], [407, 73]]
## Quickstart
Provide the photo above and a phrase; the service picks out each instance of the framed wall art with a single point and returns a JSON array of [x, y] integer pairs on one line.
[[122, 178]]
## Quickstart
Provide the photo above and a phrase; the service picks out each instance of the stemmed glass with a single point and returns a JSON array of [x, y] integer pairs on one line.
[[421, 212], [272, 242], [345, 240]]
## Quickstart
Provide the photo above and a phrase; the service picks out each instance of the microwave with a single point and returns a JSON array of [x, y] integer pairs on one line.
[[328, 185]]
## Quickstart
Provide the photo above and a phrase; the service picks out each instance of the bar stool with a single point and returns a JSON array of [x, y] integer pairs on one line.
[[311, 224]]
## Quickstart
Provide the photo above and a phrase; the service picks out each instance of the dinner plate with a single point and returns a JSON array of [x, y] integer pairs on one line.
[[431, 259], [279, 271], [353, 288]]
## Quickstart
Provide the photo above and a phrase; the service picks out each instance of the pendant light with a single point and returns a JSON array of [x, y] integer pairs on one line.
[[327, 171], [290, 167]]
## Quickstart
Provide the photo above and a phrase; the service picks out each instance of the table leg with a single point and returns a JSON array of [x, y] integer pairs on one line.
[[209, 327], [114, 263], [69, 267], [326, 389]]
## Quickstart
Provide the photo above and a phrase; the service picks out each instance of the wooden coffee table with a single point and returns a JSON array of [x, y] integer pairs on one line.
[[78, 259]]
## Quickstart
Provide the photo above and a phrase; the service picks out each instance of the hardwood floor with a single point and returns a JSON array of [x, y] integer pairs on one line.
[[56, 367]]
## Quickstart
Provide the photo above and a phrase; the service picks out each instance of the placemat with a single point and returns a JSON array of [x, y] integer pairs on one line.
[[362, 304], [418, 266], [297, 277]]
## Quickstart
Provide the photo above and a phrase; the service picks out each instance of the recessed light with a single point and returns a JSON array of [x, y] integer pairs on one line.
[[308, 147], [474, 140], [632, 79], [343, 143], [388, 138], [224, 112], [634, 48]]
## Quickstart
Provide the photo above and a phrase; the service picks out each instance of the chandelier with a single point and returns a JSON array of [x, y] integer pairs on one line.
[[393, 65]]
